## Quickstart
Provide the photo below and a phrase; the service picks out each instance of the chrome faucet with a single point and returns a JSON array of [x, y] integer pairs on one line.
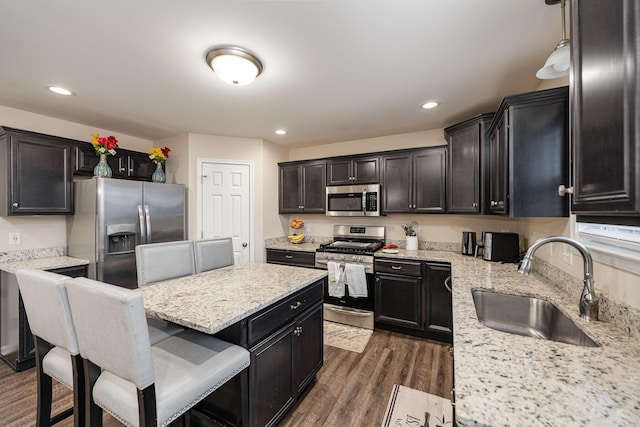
[[588, 300]]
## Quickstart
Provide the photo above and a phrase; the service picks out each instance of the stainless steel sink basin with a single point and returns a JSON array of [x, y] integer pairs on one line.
[[527, 316]]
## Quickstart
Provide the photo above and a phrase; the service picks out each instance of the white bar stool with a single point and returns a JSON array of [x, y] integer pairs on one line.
[[213, 253]]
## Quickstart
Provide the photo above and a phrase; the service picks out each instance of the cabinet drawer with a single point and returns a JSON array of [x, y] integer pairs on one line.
[[297, 258], [403, 267], [262, 324]]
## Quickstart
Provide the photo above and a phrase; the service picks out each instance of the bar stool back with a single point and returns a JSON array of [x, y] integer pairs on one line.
[[57, 353], [213, 253], [140, 384], [162, 261]]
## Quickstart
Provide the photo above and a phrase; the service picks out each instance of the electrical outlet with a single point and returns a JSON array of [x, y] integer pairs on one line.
[[14, 238], [567, 255]]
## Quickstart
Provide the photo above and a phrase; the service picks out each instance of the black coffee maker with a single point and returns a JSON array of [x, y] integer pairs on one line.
[[468, 243]]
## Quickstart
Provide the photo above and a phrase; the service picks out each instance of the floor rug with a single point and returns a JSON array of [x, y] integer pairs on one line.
[[346, 337], [409, 407]]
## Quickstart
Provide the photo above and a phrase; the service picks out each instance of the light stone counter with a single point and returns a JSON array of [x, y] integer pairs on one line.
[[213, 300], [49, 263], [504, 379], [302, 247]]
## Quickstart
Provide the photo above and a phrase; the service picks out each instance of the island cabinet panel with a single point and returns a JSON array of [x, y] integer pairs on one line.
[[529, 154], [285, 340], [439, 312], [36, 178], [606, 108], [294, 258], [302, 187], [466, 168]]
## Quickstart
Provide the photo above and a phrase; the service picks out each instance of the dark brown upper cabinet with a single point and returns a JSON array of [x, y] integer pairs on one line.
[[605, 40], [302, 187], [353, 170], [529, 155], [125, 164], [37, 176], [414, 180], [467, 181]]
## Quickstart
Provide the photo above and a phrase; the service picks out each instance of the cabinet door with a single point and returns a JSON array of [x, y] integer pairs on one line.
[[139, 166], [271, 392], [307, 347], [41, 176], [605, 107], [463, 173], [429, 169], [289, 189], [339, 172], [398, 300], [366, 170], [313, 198], [397, 186], [498, 166], [439, 316]]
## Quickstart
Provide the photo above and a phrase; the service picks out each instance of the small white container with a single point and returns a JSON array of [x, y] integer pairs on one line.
[[412, 243]]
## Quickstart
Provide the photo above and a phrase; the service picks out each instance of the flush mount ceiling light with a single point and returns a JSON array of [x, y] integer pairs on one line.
[[60, 90], [557, 64], [430, 104], [281, 132], [234, 65]]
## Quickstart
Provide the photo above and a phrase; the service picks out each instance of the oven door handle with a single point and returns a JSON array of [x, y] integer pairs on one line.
[[350, 312], [364, 202]]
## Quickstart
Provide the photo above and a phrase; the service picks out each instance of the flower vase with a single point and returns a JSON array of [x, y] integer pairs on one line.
[[158, 175], [102, 169]]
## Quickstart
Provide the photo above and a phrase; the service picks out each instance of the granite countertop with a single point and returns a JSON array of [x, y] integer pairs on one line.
[[503, 379], [213, 300], [301, 247], [48, 263]]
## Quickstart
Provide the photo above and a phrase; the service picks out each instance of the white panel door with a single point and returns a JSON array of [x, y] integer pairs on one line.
[[226, 205]]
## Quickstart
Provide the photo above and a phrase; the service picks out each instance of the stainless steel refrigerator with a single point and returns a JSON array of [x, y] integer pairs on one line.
[[113, 216]]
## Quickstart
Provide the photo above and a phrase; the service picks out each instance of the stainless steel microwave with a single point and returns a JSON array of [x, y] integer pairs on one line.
[[353, 200]]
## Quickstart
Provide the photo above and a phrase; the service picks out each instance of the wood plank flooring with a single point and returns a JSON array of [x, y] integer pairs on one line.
[[352, 389]]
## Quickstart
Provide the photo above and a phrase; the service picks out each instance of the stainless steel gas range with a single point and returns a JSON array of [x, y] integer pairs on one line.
[[351, 245]]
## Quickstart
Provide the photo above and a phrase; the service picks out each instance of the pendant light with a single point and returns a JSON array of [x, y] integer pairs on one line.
[[234, 65], [557, 64]]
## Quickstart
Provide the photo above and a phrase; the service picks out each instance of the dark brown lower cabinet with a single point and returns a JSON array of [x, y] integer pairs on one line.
[[15, 336], [412, 297], [285, 340], [294, 258]]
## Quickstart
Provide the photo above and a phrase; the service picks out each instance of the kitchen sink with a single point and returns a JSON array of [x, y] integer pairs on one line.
[[527, 316]]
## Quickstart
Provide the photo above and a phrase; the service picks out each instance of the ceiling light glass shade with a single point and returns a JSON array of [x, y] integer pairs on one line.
[[234, 65], [430, 104], [60, 90], [557, 64]]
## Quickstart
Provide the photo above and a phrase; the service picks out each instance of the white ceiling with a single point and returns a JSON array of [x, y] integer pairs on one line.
[[334, 70]]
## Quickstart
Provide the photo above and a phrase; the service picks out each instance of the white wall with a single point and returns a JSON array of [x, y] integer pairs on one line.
[[49, 231]]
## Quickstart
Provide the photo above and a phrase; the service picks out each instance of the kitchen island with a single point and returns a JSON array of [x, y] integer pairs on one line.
[[274, 311], [502, 379]]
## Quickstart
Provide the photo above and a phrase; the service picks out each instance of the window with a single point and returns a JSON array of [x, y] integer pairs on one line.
[[614, 245]]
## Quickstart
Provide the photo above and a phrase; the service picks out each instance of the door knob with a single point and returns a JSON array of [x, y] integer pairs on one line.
[[245, 244]]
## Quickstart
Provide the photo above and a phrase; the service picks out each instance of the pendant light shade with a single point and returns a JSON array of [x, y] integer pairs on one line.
[[557, 65], [234, 65]]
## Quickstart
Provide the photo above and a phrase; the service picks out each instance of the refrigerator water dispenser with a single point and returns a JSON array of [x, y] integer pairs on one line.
[[121, 237]]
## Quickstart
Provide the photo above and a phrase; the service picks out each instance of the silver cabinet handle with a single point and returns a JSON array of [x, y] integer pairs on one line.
[[494, 203], [297, 331], [288, 256], [295, 306], [563, 191], [396, 267], [474, 204], [15, 204], [447, 283]]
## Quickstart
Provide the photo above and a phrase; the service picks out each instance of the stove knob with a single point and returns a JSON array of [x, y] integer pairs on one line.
[[343, 257]]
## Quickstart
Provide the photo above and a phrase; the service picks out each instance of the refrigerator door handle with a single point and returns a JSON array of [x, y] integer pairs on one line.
[[143, 232], [147, 215]]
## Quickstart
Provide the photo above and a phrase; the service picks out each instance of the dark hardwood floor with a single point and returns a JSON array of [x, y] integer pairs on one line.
[[352, 389]]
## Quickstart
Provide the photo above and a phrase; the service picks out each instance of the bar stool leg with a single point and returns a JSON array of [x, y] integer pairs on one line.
[[44, 384]]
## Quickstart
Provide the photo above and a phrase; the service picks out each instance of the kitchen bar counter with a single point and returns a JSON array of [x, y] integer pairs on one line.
[[302, 247], [213, 300], [49, 263], [503, 379]]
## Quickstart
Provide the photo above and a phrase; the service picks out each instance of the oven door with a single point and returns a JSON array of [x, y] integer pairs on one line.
[[361, 303]]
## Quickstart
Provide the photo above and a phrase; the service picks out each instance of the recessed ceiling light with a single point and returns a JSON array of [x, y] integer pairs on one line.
[[430, 104], [281, 132], [60, 90]]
